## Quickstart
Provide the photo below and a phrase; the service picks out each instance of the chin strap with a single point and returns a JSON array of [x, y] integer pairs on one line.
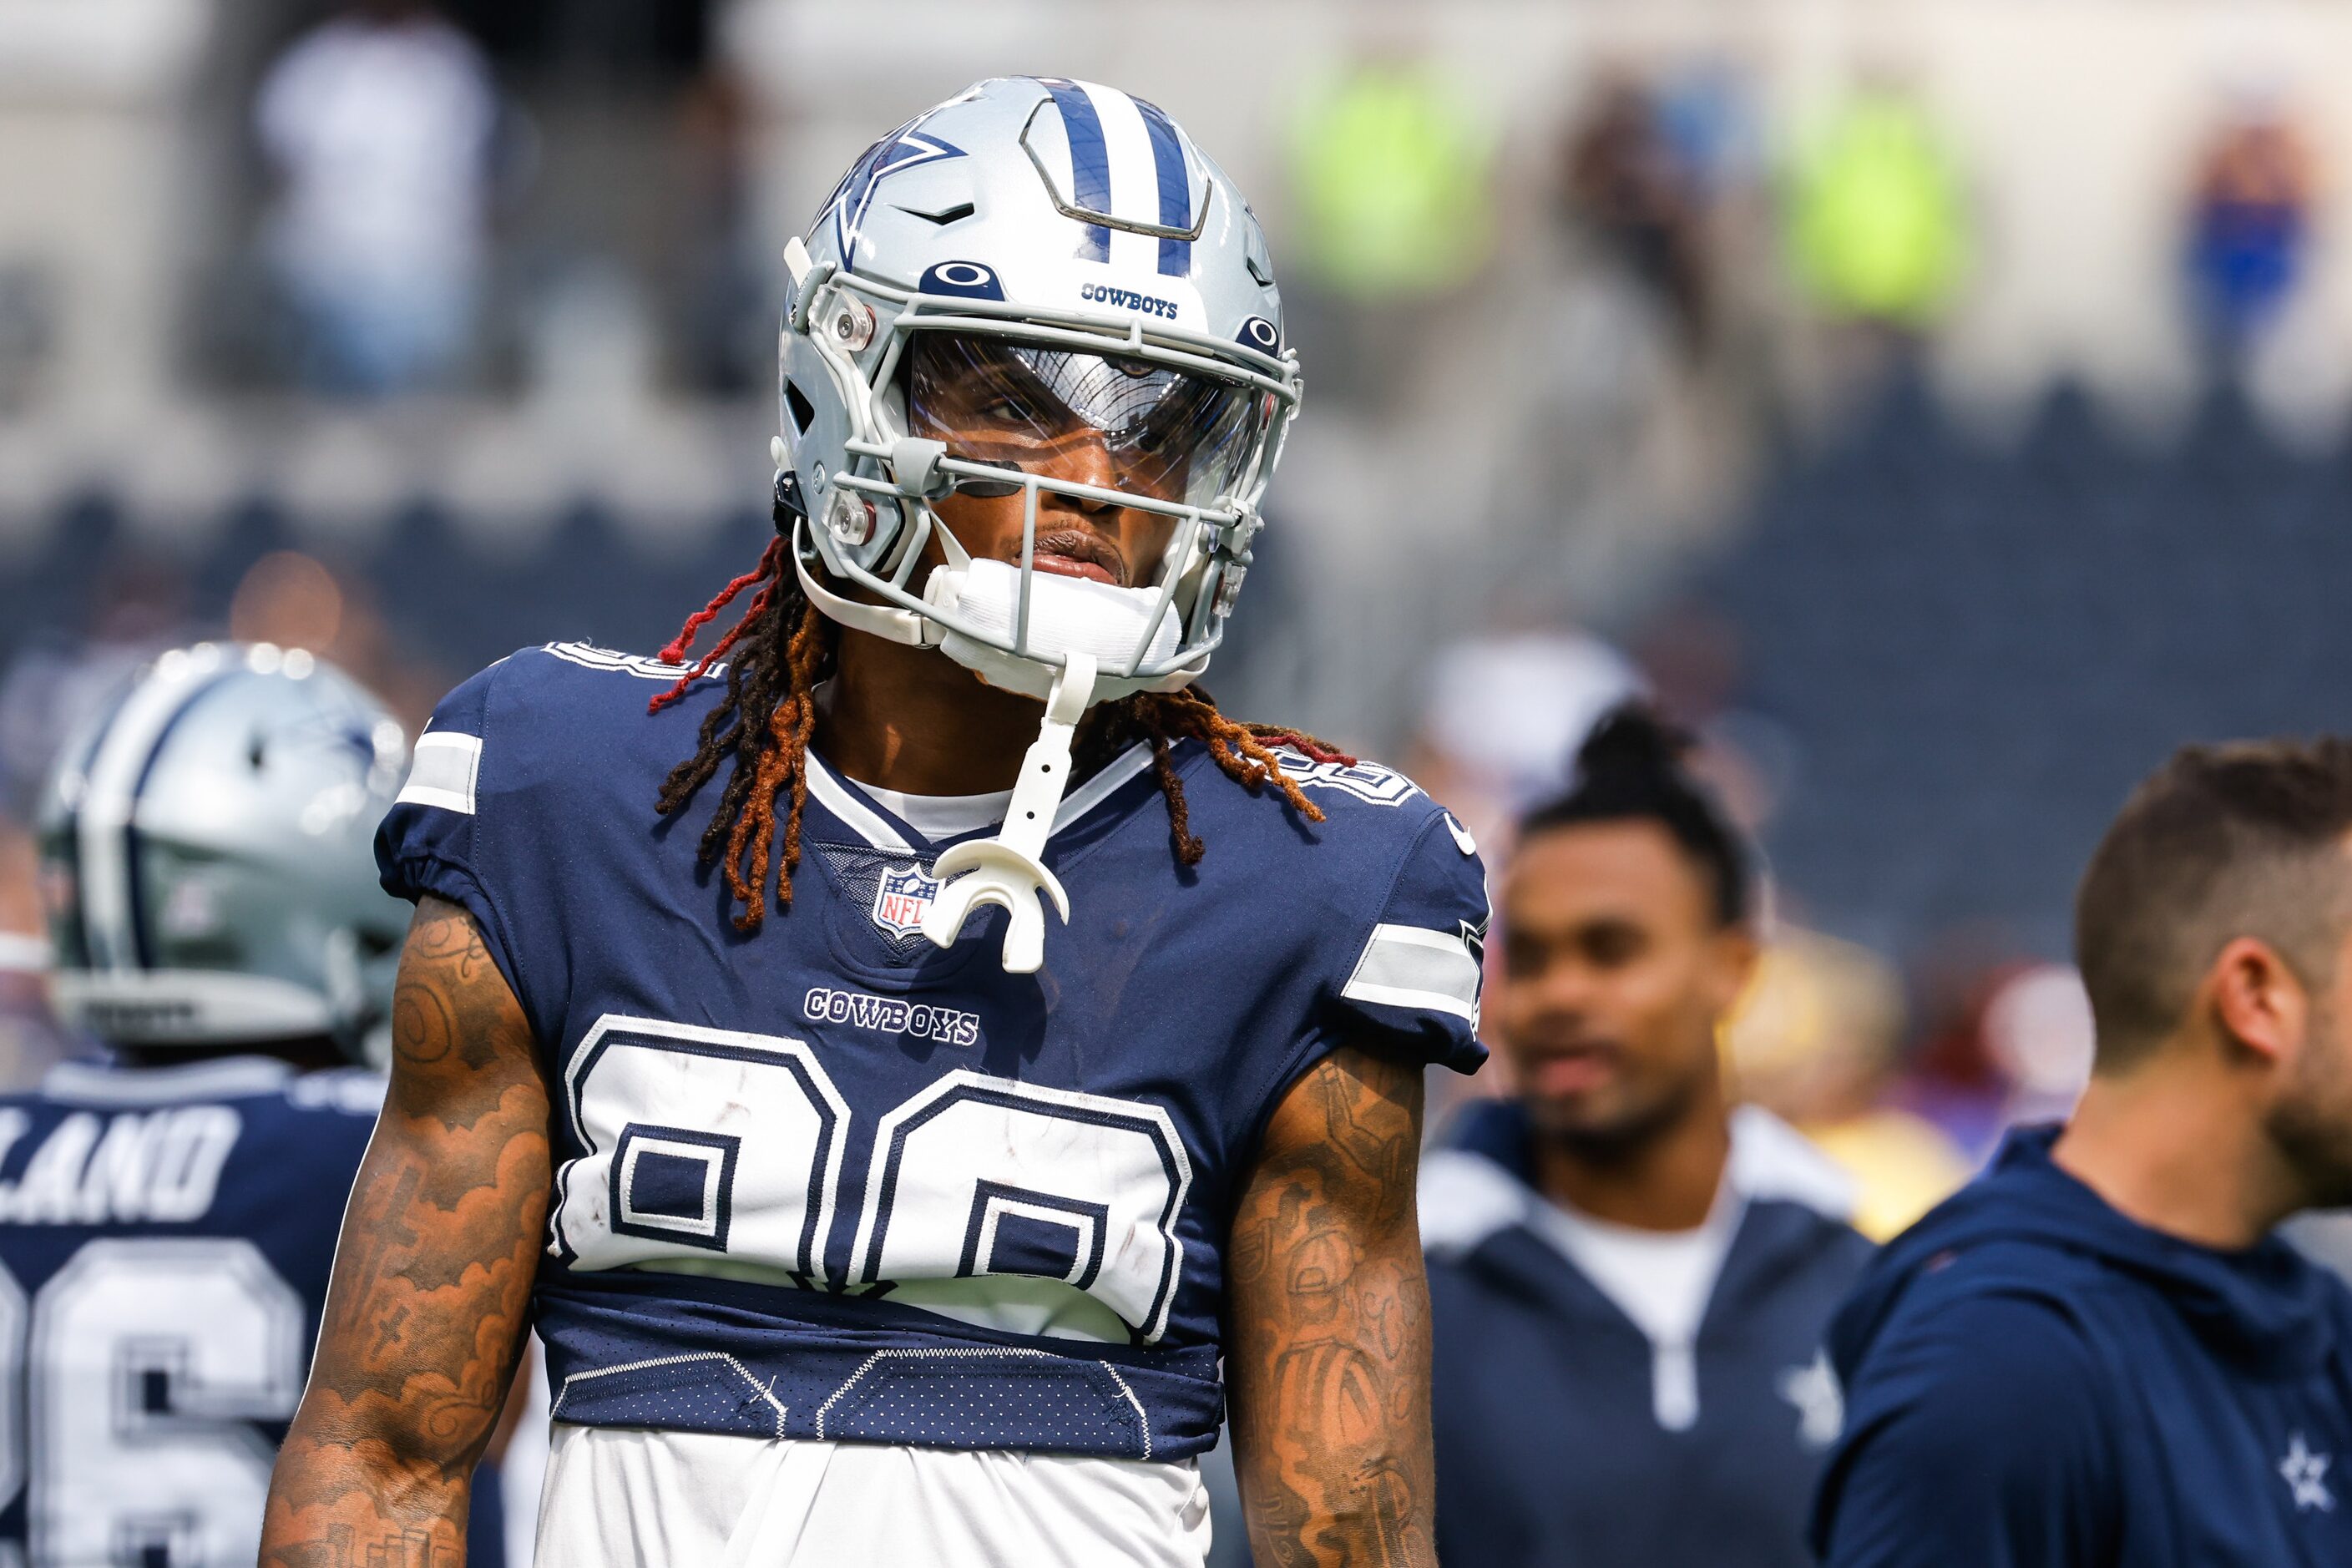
[[884, 621], [1009, 870]]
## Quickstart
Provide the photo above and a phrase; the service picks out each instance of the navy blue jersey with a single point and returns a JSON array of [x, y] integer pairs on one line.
[[2036, 1380], [166, 1236], [831, 1181]]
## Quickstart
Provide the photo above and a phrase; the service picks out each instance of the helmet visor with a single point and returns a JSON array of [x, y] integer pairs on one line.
[[1124, 424]]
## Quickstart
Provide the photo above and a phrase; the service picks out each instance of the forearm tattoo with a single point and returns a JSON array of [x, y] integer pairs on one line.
[[1328, 1352], [432, 1280]]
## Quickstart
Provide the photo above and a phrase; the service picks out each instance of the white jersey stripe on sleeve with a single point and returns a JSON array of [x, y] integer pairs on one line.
[[443, 772], [1411, 966]]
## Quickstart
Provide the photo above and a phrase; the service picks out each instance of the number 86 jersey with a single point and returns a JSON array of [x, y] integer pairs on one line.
[[830, 1181]]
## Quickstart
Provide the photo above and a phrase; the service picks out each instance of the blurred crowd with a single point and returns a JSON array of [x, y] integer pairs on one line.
[[1637, 399], [1652, 300]]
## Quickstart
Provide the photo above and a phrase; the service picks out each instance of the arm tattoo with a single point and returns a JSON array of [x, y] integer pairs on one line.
[[1328, 1349], [432, 1278]]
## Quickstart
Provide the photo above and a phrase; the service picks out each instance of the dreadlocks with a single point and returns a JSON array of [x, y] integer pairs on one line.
[[783, 648]]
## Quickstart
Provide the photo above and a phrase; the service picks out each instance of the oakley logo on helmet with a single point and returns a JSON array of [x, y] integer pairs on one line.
[[1259, 334], [967, 279], [1128, 299]]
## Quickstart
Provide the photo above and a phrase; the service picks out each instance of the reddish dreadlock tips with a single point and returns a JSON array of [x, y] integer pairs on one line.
[[678, 646], [1313, 749], [763, 723], [780, 768]]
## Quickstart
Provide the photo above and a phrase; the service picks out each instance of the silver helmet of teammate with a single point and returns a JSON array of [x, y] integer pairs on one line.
[[206, 847], [1032, 264]]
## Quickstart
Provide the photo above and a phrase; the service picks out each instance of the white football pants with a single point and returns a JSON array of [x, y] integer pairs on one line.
[[629, 1497]]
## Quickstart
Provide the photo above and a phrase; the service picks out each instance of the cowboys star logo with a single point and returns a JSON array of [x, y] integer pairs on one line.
[[2305, 1474], [1474, 937], [905, 148]]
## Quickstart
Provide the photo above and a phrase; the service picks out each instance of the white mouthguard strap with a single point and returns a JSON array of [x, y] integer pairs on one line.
[[1009, 870]]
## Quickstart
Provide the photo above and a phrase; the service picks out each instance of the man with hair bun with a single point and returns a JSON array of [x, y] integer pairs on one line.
[[1629, 1278], [2099, 1352]]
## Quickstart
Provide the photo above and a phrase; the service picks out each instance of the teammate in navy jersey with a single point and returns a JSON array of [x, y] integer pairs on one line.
[[168, 1213], [891, 1135]]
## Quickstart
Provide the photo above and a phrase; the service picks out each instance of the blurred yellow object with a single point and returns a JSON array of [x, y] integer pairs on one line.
[[1903, 1165], [1816, 1030], [1390, 175], [1877, 223], [1813, 1041]]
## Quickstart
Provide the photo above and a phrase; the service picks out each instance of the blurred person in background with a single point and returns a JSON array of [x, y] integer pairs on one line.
[[1392, 168], [2100, 1353], [2250, 224], [1500, 724], [1392, 175], [1624, 184], [1630, 1279], [1816, 1040], [31, 1040], [724, 285], [1504, 715], [2039, 1031], [379, 126], [1877, 220], [168, 1213]]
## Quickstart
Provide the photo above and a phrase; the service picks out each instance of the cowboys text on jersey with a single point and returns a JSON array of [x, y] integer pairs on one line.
[[832, 1181]]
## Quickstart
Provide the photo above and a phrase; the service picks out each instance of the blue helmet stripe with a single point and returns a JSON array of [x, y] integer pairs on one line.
[[1089, 162], [91, 943], [1175, 189]]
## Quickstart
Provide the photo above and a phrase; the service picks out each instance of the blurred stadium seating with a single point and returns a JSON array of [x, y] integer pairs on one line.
[[1939, 581], [1982, 646]]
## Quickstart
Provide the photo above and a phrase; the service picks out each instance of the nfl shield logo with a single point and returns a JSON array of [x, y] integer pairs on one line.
[[902, 900]]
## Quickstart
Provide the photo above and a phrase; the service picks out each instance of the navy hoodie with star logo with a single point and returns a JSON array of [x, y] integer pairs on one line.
[[1565, 1435], [2033, 1381]]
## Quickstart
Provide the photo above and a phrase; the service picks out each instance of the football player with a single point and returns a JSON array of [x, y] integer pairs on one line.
[[168, 1215], [895, 1071]]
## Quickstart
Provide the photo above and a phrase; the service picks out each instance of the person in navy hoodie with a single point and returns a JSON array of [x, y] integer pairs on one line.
[[2099, 1354], [1629, 1279]]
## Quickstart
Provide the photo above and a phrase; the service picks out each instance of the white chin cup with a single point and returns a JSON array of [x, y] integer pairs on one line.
[[1067, 615]]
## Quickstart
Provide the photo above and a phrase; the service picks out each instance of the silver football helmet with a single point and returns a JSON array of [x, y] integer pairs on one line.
[[1033, 267], [1067, 245], [206, 849]]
